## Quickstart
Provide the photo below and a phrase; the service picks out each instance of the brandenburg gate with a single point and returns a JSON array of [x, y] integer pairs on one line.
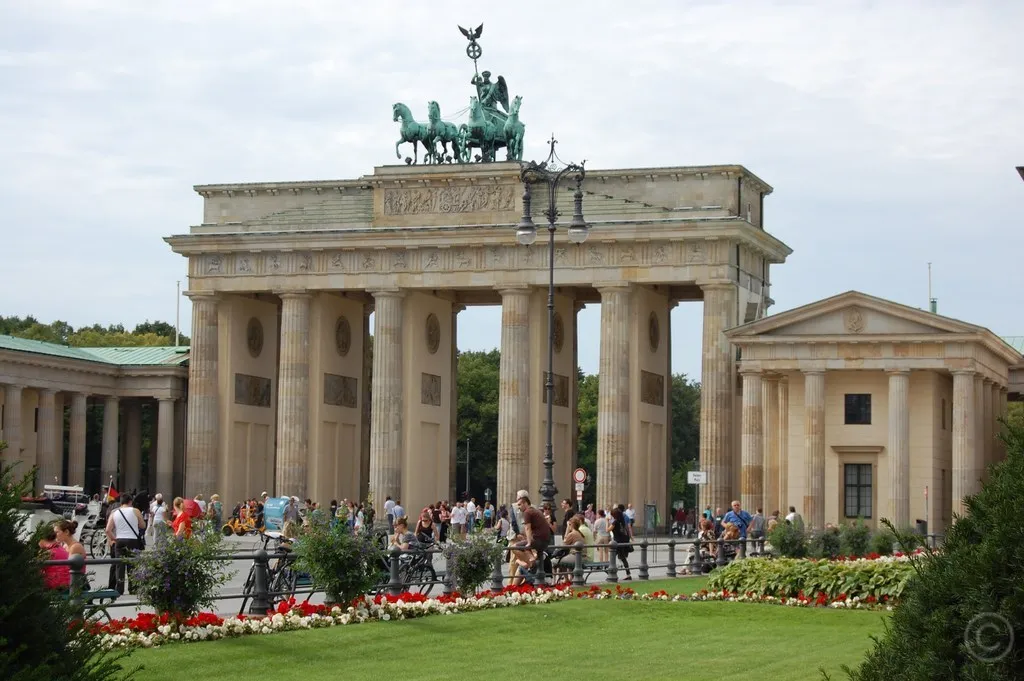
[[283, 278]]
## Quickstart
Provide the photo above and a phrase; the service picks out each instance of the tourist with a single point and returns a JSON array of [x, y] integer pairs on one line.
[[793, 518], [602, 536], [730, 535], [757, 525], [403, 538], [620, 533], [54, 576], [470, 515], [537, 531], [564, 559], [590, 516], [588, 536], [389, 511], [521, 559], [425, 531], [503, 527], [215, 511], [738, 517], [124, 531], [458, 520], [202, 504], [488, 515], [65, 533], [160, 524], [567, 513], [291, 511], [182, 525]]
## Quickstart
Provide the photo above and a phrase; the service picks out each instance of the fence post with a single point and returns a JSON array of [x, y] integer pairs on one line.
[[720, 558], [449, 586], [643, 572], [394, 562], [742, 553], [260, 603], [78, 582], [671, 567], [497, 578], [577, 569], [696, 563], [613, 571]]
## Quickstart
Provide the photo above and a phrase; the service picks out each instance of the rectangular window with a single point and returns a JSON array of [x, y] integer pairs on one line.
[[858, 409], [857, 486]]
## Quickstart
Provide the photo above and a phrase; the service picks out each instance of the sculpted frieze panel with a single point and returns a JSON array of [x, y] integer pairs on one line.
[[560, 388], [252, 391], [339, 261], [423, 200], [696, 253], [430, 390], [243, 263], [627, 255], [272, 263], [652, 388], [341, 391], [303, 262], [431, 259]]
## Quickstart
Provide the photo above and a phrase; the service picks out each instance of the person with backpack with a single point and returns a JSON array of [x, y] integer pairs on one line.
[[125, 528], [738, 517]]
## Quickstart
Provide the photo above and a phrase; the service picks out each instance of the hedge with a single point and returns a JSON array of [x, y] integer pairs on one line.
[[882, 580]]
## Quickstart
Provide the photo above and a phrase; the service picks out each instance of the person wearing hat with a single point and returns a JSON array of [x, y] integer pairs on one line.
[[291, 511]]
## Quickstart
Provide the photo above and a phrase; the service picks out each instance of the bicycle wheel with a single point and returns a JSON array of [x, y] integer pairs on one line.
[[249, 590], [98, 546], [420, 578]]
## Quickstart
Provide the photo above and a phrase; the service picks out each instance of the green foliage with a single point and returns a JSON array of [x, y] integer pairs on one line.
[[788, 540], [823, 543], [471, 561], [342, 564], [960, 616], [854, 539], [148, 333], [180, 575], [881, 542], [787, 577], [478, 381], [41, 637]]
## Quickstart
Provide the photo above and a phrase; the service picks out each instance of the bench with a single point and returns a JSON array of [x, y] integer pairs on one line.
[[95, 602]]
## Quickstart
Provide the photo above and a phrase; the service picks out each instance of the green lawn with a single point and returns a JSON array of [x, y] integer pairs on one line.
[[604, 639]]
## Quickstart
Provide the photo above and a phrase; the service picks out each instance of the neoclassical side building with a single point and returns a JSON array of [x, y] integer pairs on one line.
[[44, 382], [854, 406]]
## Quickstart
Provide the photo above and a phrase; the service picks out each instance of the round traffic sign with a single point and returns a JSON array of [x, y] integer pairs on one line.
[[579, 475]]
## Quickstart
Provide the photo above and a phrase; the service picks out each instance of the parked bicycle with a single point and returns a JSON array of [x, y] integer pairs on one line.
[[283, 579]]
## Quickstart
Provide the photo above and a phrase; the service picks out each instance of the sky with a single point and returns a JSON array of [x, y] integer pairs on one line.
[[889, 131]]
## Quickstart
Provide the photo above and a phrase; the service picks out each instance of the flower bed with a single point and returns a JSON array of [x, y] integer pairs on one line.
[[149, 630], [882, 579]]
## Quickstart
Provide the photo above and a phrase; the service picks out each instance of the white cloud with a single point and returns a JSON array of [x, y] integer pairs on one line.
[[889, 130]]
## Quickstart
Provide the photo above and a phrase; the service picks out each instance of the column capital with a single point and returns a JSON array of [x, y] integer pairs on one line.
[[770, 377], [387, 293], [208, 296], [813, 372], [49, 391], [718, 286], [963, 372], [513, 290], [987, 380], [1004, 390], [298, 294], [457, 308], [15, 386], [898, 372], [751, 371], [166, 399], [613, 287], [577, 306], [112, 398]]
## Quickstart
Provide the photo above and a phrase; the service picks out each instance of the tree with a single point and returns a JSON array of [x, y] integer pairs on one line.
[[162, 329], [478, 383]]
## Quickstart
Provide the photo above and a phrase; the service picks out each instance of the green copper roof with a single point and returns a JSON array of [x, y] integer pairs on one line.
[[1016, 342], [136, 356]]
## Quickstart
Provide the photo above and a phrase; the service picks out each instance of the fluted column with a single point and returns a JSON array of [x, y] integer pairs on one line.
[[76, 446], [367, 378], [987, 449], [202, 421], [514, 395], [453, 445], [963, 438], [1000, 415], [386, 411], [979, 432], [108, 457], [752, 479], [12, 421], [613, 397], [784, 501], [772, 446], [716, 454], [59, 402], [132, 471], [899, 448], [46, 442], [292, 457], [814, 448], [164, 446]]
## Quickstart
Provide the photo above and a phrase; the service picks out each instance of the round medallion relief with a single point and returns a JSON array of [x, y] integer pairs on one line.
[[254, 337], [654, 331], [558, 332], [433, 333], [342, 335]]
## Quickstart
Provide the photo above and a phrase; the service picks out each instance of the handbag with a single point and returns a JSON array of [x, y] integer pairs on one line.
[[140, 537]]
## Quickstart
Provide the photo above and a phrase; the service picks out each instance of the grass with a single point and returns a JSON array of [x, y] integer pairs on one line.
[[581, 639]]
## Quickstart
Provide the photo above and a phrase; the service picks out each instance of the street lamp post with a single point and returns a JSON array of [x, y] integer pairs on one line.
[[546, 175]]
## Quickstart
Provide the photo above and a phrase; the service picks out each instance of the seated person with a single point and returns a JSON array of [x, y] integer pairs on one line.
[[520, 560], [730, 532], [403, 538], [589, 553], [564, 557], [54, 576]]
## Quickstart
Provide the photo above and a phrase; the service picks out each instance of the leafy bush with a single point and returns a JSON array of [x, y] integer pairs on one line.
[[470, 562], [788, 540], [855, 539], [41, 634], [343, 564], [787, 577], [179, 576], [960, 616], [881, 543], [824, 544]]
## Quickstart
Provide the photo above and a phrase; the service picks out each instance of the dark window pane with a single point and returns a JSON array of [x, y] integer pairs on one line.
[[857, 408]]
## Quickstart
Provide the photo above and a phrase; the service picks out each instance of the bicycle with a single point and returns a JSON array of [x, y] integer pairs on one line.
[[282, 577], [416, 570]]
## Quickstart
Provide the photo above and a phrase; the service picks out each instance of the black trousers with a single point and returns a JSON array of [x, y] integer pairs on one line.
[[122, 549]]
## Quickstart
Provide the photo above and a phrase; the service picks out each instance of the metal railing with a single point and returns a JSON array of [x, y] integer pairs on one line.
[[700, 556]]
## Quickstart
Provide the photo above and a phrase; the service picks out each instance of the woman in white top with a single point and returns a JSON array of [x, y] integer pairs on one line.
[[125, 528], [160, 525], [603, 535]]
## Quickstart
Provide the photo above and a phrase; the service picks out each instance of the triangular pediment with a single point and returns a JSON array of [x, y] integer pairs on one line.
[[853, 314]]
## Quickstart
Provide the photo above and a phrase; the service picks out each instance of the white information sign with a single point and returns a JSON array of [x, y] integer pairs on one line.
[[697, 477]]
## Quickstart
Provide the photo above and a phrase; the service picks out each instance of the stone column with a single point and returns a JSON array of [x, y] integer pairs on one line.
[[59, 402], [108, 459], [132, 471], [987, 450], [784, 501], [1001, 414], [203, 420], [386, 411], [963, 438], [814, 448], [772, 446], [453, 448], [752, 485], [613, 397], [164, 446], [899, 448], [367, 378], [292, 457], [979, 432], [12, 422], [76, 447], [716, 455], [514, 395], [46, 449]]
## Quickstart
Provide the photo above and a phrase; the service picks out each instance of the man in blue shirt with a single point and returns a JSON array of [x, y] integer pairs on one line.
[[738, 517]]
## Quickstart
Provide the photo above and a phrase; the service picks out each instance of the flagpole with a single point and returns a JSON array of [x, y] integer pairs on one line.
[[177, 313]]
